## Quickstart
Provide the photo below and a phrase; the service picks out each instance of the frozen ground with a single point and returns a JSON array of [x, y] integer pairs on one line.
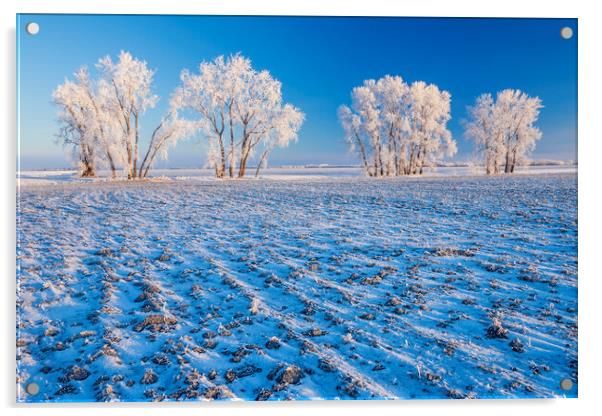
[[317, 289], [53, 177]]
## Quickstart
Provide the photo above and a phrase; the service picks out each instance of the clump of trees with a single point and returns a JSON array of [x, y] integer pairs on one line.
[[241, 112], [503, 129], [100, 118], [396, 128]]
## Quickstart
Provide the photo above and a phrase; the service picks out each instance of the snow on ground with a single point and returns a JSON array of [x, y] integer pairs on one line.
[[54, 177], [347, 288]]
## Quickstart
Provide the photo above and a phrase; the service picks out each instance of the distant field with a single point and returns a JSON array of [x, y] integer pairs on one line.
[[49, 177], [333, 286]]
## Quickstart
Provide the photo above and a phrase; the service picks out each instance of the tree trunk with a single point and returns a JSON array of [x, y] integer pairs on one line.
[[261, 161], [135, 156], [144, 161], [150, 162], [88, 171], [380, 159], [513, 163], [128, 147], [87, 160], [390, 163], [245, 149], [231, 156], [362, 152], [410, 167], [148, 151], [507, 167], [243, 166], [418, 160], [376, 170], [488, 160], [222, 168], [112, 164], [231, 141], [396, 155], [401, 164]]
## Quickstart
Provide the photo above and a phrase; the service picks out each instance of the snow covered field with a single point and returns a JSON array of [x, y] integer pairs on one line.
[[322, 288], [53, 177]]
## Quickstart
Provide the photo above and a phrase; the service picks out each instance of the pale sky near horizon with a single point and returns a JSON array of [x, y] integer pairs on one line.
[[318, 59]]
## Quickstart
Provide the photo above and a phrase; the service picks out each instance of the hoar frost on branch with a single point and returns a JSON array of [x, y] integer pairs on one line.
[[503, 129], [241, 112], [166, 134], [396, 128], [100, 119], [85, 122]]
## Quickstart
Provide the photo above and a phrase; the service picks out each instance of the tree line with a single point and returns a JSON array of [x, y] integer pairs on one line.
[[239, 110], [100, 118], [399, 129], [395, 128], [503, 129]]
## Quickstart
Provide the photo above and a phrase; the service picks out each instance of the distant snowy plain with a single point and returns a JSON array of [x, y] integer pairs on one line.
[[297, 286], [53, 177]]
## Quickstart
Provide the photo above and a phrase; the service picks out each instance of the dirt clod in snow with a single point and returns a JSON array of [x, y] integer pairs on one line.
[[315, 332], [496, 330], [149, 377], [156, 323], [291, 375], [77, 373], [273, 343], [517, 345]]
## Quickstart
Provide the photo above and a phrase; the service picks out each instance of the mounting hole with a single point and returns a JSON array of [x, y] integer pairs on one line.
[[566, 384], [32, 389], [566, 32], [32, 28]]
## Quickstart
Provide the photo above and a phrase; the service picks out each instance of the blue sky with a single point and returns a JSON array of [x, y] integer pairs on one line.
[[318, 59]]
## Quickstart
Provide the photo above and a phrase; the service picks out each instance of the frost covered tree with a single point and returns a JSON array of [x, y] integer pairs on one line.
[[430, 139], [284, 128], [239, 110], [130, 81], [169, 131], [503, 129], [396, 128], [74, 131], [483, 130], [85, 123], [100, 118]]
